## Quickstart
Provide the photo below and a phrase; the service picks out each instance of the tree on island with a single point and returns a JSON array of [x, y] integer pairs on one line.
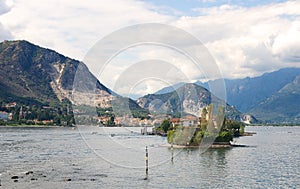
[[165, 126], [218, 127]]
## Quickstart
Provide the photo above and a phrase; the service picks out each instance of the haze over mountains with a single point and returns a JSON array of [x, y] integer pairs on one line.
[[31, 74], [247, 93], [282, 106], [271, 97]]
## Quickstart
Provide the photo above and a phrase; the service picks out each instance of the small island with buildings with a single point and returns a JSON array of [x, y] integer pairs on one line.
[[190, 130]]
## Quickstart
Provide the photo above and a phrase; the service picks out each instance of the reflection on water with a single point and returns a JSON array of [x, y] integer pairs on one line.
[[115, 158]]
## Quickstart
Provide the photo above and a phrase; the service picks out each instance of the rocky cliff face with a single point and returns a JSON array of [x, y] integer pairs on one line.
[[189, 98], [34, 75], [29, 71], [23, 66]]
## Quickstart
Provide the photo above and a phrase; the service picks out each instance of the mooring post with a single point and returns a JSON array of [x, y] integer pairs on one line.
[[147, 158], [172, 152]]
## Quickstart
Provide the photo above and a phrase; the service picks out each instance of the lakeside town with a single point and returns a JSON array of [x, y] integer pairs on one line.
[[14, 113], [187, 130]]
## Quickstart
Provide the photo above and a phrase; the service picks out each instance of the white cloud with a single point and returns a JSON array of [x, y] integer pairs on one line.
[[207, 1], [4, 8], [249, 41], [137, 69], [286, 45], [72, 27], [4, 34], [244, 41]]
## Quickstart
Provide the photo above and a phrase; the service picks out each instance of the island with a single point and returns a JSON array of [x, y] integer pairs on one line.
[[190, 130]]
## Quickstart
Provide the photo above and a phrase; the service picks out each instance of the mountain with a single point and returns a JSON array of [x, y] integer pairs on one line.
[[31, 74], [271, 97], [22, 66], [189, 98], [247, 93], [177, 85], [282, 106]]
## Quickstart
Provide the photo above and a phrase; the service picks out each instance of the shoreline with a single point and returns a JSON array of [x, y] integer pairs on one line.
[[248, 134], [213, 146], [34, 126]]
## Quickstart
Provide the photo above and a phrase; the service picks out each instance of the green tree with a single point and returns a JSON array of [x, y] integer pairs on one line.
[[224, 136], [198, 137], [57, 120], [2, 122], [235, 127], [165, 126]]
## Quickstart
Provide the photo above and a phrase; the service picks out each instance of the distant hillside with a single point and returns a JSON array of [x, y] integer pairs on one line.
[[26, 71], [36, 75], [271, 97], [189, 98], [283, 106], [31, 74], [245, 94]]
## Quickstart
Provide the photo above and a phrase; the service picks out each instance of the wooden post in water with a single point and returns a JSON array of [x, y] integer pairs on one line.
[[172, 152], [147, 158]]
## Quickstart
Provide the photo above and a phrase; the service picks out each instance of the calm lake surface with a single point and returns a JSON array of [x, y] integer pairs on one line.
[[94, 157]]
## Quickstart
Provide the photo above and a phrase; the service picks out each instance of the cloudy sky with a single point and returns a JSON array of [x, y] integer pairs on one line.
[[246, 38]]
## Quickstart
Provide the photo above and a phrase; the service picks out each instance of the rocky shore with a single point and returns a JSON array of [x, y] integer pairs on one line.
[[213, 146], [39, 176]]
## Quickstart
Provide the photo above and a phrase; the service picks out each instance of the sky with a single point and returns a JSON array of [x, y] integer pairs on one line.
[[245, 38]]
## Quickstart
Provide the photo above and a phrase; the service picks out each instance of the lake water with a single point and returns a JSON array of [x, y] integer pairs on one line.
[[94, 157]]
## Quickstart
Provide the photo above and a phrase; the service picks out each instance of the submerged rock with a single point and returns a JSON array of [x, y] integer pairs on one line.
[[15, 177], [68, 179], [29, 172]]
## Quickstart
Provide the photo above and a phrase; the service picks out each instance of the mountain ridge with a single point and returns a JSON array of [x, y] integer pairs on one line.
[[35, 75], [283, 106], [30, 71], [189, 98], [258, 88], [251, 95]]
